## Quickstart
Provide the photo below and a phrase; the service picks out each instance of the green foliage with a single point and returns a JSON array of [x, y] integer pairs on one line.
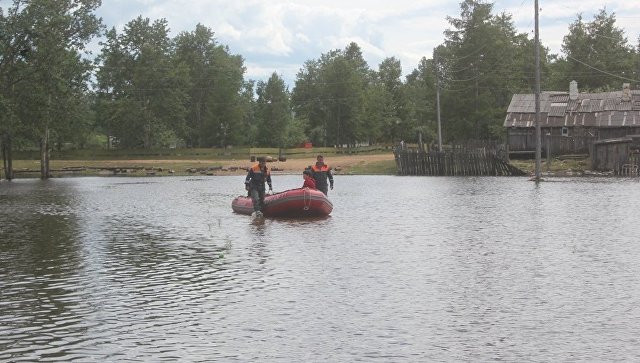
[[95, 141], [387, 167], [483, 62], [295, 134], [330, 93], [273, 113], [43, 76], [190, 87], [142, 96], [420, 93], [597, 55], [152, 91]]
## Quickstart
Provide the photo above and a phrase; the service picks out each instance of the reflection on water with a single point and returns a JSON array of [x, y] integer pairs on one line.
[[405, 269]]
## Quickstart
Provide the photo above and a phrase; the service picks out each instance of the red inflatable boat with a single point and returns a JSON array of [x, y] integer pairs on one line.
[[302, 202]]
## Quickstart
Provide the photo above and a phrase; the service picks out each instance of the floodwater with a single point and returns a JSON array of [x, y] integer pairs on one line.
[[406, 269]]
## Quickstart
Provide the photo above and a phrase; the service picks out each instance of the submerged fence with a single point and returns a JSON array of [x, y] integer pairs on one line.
[[457, 162]]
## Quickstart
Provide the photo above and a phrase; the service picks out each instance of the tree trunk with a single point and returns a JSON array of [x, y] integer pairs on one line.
[[200, 139], [44, 155], [147, 126], [6, 156]]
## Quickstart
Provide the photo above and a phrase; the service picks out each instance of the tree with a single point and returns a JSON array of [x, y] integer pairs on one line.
[[249, 125], [636, 68], [479, 71], [273, 112], [394, 122], [374, 114], [13, 51], [307, 103], [597, 54], [214, 106], [421, 97], [141, 93], [44, 42], [329, 95]]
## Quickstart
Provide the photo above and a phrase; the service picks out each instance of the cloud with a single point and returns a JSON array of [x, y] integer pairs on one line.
[[280, 35]]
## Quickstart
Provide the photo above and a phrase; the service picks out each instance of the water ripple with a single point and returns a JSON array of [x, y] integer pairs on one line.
[[405, 269]]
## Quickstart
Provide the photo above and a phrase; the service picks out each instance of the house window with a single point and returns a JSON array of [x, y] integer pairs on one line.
[[565, 131]]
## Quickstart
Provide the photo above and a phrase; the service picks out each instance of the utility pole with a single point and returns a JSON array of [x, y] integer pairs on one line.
[[438, 101], [537, 97]]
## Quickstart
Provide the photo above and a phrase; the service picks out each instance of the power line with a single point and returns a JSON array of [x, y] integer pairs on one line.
[[603, 71]]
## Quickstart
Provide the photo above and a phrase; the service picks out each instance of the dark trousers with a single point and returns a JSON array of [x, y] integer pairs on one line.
[[323, 188], [257, 196]]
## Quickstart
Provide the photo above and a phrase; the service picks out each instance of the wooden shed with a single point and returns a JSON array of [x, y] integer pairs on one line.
[[572, 122], [620, 155]]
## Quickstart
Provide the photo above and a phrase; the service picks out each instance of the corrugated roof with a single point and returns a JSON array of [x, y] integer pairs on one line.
[[603, 109], [557, 109], [590, 105], [559, 98], [585, 119], [521, 103]]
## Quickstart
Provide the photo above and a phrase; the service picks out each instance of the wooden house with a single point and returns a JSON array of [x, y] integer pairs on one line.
[[571, 122]]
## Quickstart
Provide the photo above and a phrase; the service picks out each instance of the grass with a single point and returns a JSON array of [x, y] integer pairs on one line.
[[387, 167], [178, 164], [557, 165], [170, 165], [161, 167], [193, 153]]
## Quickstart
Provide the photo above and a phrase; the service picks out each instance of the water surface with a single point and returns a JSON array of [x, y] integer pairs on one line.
[[405, 269]]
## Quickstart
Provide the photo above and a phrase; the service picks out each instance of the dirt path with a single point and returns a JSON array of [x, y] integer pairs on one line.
[[340, 164]]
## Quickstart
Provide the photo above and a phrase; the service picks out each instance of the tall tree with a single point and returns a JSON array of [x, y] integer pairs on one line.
[[375, 114], [307, 103], [597, 53], [273, 112], [397, 126], [14, 48], [215, 107], [249, 125], [636, 68], [421, 98], [479, 72], [141, 94], [45, 69], [329, 95]]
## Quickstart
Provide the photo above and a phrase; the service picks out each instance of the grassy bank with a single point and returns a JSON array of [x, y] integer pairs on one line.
[[383, 167], [363, 161], [238, 153], [211, 162], [561, 166], [59, 168]]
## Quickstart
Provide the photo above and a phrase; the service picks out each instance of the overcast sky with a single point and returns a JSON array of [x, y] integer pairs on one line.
[[280, 35]]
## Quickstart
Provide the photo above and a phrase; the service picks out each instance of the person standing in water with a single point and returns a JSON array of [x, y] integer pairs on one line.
[[321, 172], [257, 176]]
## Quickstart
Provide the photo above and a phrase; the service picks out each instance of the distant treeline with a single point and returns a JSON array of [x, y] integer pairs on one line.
[[146, 90], [240, 153]]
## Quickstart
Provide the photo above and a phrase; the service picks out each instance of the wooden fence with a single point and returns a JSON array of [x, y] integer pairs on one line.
[[457, 162]]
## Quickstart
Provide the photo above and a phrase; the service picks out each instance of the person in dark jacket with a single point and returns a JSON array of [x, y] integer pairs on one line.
[[321, 173], [309, 182], [257, 176]]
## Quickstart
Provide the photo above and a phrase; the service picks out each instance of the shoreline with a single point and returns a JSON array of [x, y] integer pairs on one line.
[[340, 164], [351, 164]]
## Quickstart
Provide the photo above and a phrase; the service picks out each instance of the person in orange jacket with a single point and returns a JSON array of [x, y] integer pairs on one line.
[[321, 172], [255, 181]]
